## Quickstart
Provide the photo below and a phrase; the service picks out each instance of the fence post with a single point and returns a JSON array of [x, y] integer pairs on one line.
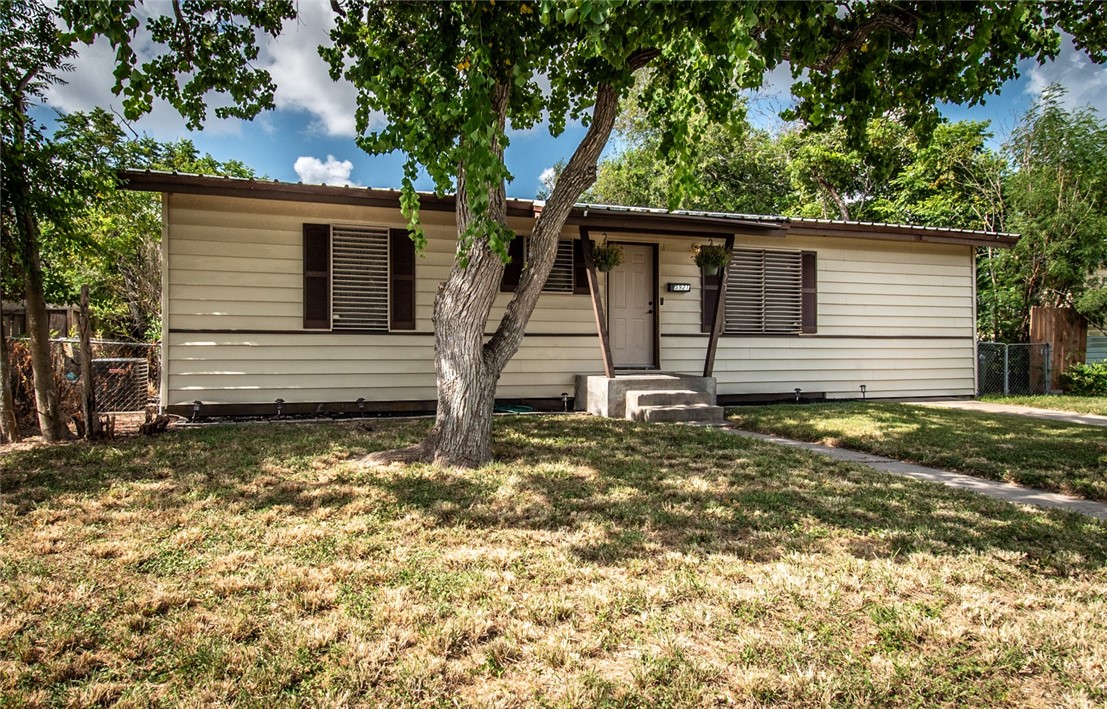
[[88, 391], [1006, 370], [1048, 357]]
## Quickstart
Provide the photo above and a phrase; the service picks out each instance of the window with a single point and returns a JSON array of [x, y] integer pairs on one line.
[[358, 278], [565, 277], [771, 292]]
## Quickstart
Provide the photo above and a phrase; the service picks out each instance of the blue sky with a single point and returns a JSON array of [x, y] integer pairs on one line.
[[310, 135]]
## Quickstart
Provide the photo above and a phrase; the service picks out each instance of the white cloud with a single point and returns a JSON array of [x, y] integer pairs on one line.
[[314, 171], [293, 60], [302, 78], [1085, 82]]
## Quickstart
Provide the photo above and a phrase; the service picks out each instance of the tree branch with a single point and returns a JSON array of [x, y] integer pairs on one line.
[[901, 22], [578, 175]]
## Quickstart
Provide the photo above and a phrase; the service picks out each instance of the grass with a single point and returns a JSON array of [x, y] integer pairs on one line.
[[1078, 404], [1063, 457], [596, 563]]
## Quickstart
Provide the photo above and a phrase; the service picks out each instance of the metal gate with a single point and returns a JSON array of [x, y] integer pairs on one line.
[[1013, 369]]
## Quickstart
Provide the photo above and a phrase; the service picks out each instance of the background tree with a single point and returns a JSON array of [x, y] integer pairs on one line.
[[211, 44], [738, 169], [1056, 198], [37, 181]]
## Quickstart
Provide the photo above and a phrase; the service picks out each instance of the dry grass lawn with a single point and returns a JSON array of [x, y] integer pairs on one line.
[[596, 563]]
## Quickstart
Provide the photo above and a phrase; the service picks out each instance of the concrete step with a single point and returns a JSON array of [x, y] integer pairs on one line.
[[683, 413], [603, 396], [639, 401]]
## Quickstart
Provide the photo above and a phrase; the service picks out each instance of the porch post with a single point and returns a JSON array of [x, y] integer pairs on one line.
[[719, 316], [597, 306]]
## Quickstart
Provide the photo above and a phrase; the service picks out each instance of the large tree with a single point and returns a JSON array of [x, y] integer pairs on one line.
[[38, 181], [452, 77], [1056, 197]]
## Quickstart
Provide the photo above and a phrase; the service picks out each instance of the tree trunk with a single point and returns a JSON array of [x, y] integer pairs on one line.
[[50, 422], [467, 367], [38, 322], [88, 387], [9, 426]]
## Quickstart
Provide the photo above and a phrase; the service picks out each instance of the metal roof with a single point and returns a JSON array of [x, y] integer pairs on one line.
[[156, 180]]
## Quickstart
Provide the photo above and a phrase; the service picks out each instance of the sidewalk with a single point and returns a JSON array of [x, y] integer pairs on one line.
[[990, 408], [1008, 492]]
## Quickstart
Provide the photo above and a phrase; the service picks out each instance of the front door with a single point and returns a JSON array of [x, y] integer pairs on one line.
[[630, 295]]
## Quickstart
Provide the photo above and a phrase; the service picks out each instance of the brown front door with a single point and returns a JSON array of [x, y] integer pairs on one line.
[[631, 293]]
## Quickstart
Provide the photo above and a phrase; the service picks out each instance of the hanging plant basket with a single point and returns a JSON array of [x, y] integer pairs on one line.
[[606, 256], [710, 257]]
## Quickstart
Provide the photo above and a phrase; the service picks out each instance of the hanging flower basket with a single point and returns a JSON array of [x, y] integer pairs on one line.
[[710, 257], [606, 256]]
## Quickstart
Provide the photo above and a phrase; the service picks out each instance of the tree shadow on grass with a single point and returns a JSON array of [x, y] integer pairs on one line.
[[653, 489], [261, 466], [615, 489]]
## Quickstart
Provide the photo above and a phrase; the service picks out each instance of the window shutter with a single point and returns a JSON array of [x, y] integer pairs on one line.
[[764, 293], [401, 279], [514, 270], [810, 292], [709, 296], [580, 273], [317, 276]]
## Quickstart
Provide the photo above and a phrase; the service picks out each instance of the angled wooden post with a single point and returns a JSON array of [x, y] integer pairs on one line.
[[88, 388], [597, 306], [719, 315]]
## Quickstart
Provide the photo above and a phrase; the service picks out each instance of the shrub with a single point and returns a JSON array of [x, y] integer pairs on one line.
[[1085, 379]]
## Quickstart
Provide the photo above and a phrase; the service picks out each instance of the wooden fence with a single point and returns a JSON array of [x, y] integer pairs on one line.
[[1067, 334]]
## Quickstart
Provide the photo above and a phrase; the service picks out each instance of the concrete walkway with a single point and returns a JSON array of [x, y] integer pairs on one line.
[[990, 408], [1008, 492]]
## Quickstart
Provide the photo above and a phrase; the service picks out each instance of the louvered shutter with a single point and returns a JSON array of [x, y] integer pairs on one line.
[[514, 270], [580, 273], [360, 277], [317, 276], [810, 292], [401, 280], [764, 292], [709, 296]]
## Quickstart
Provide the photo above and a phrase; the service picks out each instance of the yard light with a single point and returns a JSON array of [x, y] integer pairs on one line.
[[195, 409], [797, 390], [565, 401], [280, 407], [862, 392], [361, 404]]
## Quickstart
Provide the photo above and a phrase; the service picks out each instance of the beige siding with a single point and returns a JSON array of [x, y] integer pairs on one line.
[[896, 317]]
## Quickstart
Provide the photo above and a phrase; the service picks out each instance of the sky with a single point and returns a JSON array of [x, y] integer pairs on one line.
[[309, 137]]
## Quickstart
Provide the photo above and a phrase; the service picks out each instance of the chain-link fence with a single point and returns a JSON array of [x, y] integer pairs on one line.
[[126, 376], [1013, 369]]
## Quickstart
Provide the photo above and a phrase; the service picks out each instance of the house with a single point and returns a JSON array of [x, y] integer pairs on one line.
[[313, 295]]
